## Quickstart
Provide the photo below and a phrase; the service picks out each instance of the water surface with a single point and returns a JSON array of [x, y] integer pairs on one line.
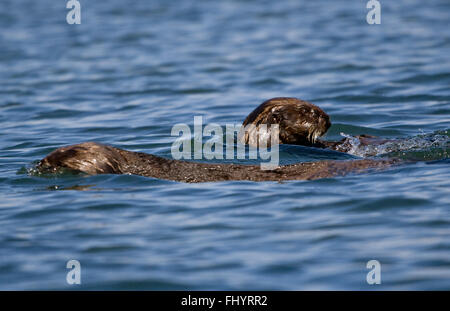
[[132, 70]]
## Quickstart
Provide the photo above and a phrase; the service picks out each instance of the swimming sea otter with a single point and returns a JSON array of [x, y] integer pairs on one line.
[[300, 123]]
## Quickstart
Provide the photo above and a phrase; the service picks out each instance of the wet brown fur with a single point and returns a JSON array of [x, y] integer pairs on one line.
[[300, 123], [94, 158]]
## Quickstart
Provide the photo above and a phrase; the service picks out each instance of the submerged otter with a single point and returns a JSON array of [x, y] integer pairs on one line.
[[300, 123]]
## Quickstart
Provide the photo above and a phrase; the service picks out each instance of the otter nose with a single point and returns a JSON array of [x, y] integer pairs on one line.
[[324, 124]]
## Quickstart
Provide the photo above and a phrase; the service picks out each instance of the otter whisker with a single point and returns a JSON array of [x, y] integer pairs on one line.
[[316, 134]]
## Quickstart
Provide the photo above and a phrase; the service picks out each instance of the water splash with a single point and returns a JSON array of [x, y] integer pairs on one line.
[[437, 144], [35, 170]]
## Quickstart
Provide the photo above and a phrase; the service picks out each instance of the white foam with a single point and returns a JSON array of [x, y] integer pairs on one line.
[[420, 142]]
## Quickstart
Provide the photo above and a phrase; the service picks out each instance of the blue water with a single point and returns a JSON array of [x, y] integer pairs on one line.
[[134, 69]]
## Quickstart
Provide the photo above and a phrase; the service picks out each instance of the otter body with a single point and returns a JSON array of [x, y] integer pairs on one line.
[[299, 122], [94, 158]]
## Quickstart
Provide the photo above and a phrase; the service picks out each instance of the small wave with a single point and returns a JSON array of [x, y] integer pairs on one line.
[[436, 140]]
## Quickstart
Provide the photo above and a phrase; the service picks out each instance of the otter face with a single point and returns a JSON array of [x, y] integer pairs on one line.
[[322, 126], [300, 122]]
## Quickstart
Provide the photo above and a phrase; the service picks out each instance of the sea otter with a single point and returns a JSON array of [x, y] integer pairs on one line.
[[300, 123]]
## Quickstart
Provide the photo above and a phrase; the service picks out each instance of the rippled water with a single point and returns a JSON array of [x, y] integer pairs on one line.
[[131, 71]]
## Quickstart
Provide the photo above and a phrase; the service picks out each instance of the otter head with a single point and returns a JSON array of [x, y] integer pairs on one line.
[[300, 122], [91, 158]]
